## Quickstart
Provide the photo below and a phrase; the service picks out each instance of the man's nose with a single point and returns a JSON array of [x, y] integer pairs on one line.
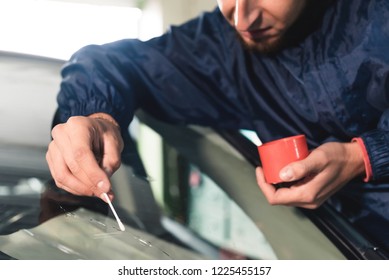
[[245, 14]]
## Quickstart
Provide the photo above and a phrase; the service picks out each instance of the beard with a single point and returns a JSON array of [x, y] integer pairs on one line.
[[307, 22], [264, 47]]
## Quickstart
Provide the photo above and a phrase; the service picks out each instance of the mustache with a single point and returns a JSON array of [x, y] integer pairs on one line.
[[263, 47]]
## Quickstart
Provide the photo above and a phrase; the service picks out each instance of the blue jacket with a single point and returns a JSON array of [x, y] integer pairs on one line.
[[331, 86]]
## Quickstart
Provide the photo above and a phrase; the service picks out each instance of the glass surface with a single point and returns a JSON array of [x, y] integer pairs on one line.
[[217, 218], [195, 201], [58, 225], [41, 221]]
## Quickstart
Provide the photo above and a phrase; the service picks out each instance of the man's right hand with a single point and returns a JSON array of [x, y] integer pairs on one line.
[[84, 153]]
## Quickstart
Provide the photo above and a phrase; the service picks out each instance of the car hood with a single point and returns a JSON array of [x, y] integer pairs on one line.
[[83, 234]]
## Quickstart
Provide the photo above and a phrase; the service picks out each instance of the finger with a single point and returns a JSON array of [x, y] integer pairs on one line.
[[276, 196], [111, 195], [64, 178], [82, 158], [268, 190], [297, 170], [112, 154], [282, 196], [75, 145], [61, 174], [58, 183], [304, 193], [294, 171]]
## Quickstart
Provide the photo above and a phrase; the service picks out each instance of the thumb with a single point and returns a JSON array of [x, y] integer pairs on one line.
[[294, 171]]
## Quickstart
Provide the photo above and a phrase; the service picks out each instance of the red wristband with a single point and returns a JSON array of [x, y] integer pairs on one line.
[[368, 169]]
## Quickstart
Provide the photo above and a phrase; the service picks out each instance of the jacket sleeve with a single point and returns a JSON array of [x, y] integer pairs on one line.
[[377, 146], [377, 140], [178, 77], [350, 66], [374, 72]]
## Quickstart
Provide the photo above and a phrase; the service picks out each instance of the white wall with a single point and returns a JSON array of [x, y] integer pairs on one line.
[[160, 14], [178, 11]]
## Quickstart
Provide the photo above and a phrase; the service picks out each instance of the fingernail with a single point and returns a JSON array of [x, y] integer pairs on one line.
[[286, 174], [100, 184], [103, 197]]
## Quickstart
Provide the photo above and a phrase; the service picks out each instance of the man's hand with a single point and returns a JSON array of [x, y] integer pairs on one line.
[[326, 170], [84, 153]]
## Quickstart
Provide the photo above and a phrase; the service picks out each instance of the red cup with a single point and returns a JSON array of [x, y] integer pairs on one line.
[[276, 154]]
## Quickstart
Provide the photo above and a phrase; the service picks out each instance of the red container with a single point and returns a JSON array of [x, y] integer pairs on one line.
[[276, 154]]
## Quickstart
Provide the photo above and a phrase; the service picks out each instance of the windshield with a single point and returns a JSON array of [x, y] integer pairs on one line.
[[41, 221]]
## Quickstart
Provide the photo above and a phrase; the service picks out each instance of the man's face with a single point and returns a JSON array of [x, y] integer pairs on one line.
[[261, 24]]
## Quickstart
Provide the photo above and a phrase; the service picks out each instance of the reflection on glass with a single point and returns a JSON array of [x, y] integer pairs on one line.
[[193, 199], [219, 219]]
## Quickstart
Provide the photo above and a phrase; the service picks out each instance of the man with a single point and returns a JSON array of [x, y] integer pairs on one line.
[[280, 68]]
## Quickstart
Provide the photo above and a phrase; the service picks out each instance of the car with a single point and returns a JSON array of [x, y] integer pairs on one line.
[[182, 192]]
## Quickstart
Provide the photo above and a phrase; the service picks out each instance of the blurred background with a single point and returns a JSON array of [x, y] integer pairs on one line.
[[55, 30]]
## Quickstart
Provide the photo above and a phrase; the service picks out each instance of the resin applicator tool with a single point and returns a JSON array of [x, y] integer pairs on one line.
[[121, 226]]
